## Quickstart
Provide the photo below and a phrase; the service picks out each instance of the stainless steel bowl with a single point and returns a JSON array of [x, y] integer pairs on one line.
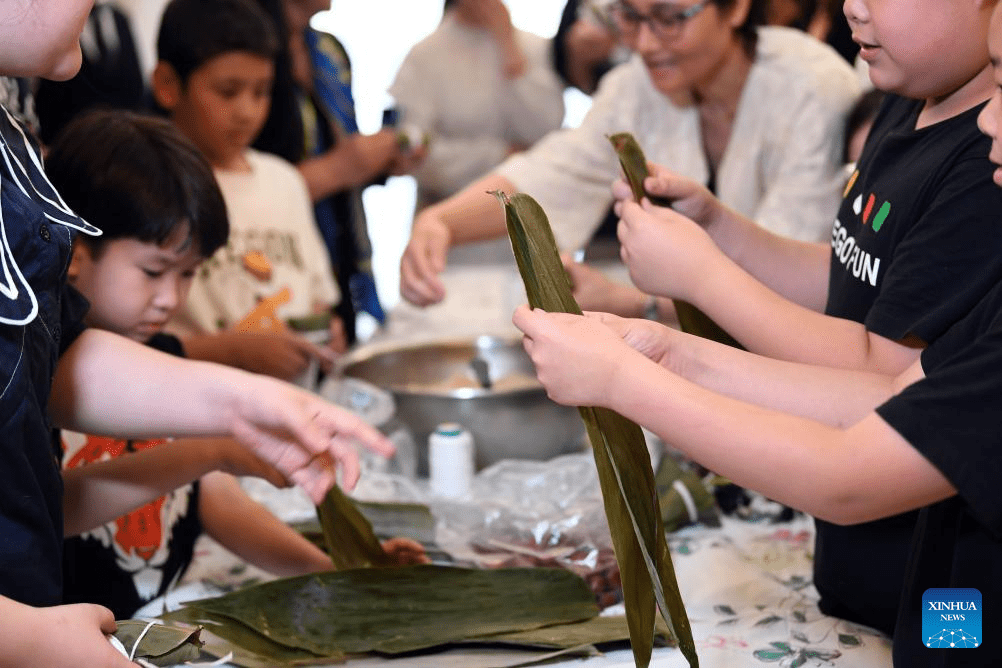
[[511, 419]]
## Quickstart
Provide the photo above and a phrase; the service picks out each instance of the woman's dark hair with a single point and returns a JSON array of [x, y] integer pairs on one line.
[[137, 177], [193, 32], [748, 30]]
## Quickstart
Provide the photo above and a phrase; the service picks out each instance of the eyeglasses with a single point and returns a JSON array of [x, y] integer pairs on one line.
[[665, 20]]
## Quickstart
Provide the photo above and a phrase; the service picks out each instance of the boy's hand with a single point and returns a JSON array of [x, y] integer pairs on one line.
[[690, 198], [282, 355], [667, 254], [576, 357], [405, 551], [306, 438], [74, 635], [423, 260]]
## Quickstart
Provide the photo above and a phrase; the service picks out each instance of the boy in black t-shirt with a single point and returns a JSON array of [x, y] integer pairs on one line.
[[809, 436], [914, 247]]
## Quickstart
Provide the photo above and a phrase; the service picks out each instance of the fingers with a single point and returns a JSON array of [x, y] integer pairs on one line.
[[419, 281], [104, 617], [621, 190]]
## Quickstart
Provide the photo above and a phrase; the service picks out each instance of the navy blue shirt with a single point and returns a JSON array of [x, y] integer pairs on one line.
[[39, 317]]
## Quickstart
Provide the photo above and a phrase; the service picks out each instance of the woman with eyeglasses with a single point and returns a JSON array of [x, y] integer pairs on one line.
[[756, 113]]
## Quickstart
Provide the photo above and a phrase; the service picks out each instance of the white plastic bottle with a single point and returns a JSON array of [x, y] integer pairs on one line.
[[450, 460]]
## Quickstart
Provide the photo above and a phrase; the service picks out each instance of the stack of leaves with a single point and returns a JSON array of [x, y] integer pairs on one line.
[[323, 617], [624, 465], [634, 164]]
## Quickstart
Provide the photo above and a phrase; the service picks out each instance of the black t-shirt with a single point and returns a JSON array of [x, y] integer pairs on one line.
[[126, 563], [39, 318], [917, 243], [952, 417]]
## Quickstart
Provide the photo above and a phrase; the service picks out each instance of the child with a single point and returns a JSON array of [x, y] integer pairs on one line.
[[914, 247], [214, 78], [101, 383], [932, 442], [161, 214]]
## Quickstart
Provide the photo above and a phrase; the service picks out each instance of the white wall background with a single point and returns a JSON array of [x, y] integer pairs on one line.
[[377, 35]]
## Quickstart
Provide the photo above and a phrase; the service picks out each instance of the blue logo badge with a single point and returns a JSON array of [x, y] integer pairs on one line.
[[951, 618]]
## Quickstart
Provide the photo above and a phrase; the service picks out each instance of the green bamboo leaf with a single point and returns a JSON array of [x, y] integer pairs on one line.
[[350, 539], [634, 164], [621, 457], [395, 610], [158, 644]]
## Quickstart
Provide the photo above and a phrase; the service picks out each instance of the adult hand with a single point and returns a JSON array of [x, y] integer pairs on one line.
[[424, 259], [577, 358], [493, 16], [408, 159], [666, 253], [370, 155], [594, 291], [306, 438]]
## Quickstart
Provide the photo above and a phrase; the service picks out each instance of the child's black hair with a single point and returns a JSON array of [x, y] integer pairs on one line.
[[137, 177], [193, 32]]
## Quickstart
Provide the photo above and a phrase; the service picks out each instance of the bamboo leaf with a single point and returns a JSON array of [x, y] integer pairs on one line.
[[396, 610], [350, 539], [634, 164], [158, 644], [624, 467]]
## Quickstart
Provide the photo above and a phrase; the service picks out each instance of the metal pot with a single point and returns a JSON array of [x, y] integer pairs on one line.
[[501, 403]]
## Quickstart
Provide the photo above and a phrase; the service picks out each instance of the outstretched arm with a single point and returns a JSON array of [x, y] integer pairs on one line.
[[845, 475], [99, 492], [670, 255], [469, 215], [252, 532], [106, 384]]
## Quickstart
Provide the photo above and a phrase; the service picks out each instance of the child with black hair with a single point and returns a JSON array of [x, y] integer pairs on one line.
[[914, 246], [161, 215], [847, 446], [214, 77], [56, 375]]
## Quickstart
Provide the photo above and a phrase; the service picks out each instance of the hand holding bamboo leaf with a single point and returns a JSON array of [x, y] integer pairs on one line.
[[624, 467], [634, 165]]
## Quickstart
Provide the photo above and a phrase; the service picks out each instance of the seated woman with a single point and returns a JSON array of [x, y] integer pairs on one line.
[[755, 112]]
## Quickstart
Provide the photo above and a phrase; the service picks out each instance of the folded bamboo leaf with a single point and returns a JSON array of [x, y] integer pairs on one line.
[[350, 539], [250, 649], [395, 610], [683, 497], [158, 644], [634, 164], [621, 456]]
